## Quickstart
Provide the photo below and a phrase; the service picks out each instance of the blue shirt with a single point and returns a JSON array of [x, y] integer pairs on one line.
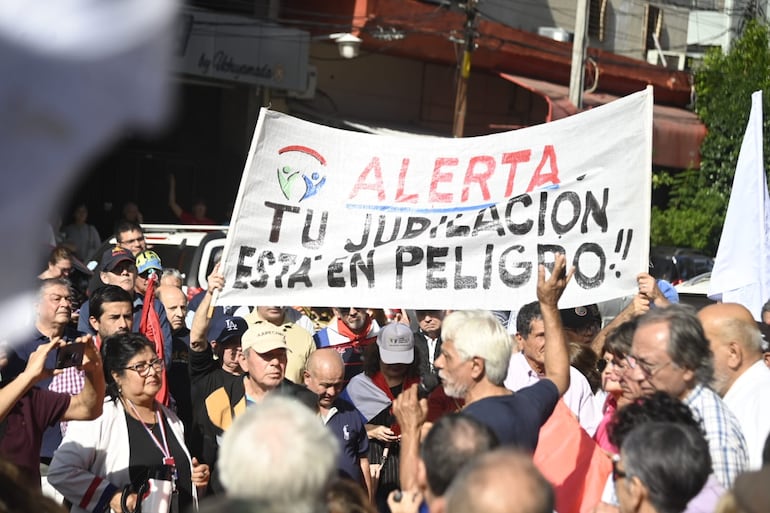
[[347, 425], [516, 418]]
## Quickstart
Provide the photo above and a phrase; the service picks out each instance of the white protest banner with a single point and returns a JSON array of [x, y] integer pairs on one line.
[[328, 217]]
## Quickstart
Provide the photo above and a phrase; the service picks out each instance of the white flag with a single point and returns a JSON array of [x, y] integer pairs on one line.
[[741, 271]]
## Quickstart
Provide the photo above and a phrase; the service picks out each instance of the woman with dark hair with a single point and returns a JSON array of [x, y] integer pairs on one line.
[[108, 462], [620, 392], [389, 368]]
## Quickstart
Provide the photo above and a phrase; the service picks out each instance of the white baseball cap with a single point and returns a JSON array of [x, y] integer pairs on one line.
[[396, 343]]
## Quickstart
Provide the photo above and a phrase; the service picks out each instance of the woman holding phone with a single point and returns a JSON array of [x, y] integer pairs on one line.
[[103, 464]]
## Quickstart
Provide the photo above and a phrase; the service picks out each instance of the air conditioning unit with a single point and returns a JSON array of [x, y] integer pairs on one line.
[[555, 33], [672, 60], [309, 92]]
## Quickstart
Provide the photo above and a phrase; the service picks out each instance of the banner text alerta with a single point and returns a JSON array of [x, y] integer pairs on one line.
[[327, 217]]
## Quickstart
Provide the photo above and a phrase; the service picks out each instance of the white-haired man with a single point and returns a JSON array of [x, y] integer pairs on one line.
[[279, 453], [474, 363]]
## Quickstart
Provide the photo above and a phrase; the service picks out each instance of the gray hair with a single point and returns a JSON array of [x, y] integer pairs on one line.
[[279, 452], [671, 459], [53, 282], [688, 346], [479, 333]]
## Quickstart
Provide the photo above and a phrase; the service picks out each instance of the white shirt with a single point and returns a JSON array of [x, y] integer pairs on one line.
[[747, 399], [431, 349], [578, 397]]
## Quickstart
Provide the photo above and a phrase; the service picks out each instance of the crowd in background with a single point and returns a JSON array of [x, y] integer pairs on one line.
[[128, 395]]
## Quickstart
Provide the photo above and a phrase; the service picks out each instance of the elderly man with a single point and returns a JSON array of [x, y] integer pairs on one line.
[[52, 322], [350, 332], [527, 366], [740, 373], [53, 313], [175, 303], [277, 453], [500, 481], [670, 353], [323, 377], [251, 366], [474, 363], [298, 339], [661, 467]]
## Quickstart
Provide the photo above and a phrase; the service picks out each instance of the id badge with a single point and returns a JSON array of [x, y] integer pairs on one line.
[[171, 463]]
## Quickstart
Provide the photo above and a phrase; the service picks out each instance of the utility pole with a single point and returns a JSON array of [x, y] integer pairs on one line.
[[461, 92], [577, 71]]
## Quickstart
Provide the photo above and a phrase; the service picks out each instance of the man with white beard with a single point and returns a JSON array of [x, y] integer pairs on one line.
[[474, 363]]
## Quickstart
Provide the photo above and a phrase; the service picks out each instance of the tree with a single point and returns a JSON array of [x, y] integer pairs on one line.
[[723, 86]]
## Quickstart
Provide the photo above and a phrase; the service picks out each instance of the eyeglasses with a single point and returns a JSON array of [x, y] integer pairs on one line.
[[616, 472], [143, 368], [648, 370]]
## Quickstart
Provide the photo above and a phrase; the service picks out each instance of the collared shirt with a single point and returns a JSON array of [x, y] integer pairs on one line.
[[347, 426], [747, 399], [71, 382], [431, 349], [729, 455], [578, 397]]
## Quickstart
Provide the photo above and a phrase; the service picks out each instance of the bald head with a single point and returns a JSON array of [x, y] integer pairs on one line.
[[175, 303], [504, 480], [725, 322], [324, 375], [326, 358], [734, 339]]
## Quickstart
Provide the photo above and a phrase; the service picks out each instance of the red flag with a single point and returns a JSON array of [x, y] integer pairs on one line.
[[150, 328]]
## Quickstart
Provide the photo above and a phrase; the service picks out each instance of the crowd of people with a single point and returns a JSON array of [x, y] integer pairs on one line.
[[128, 396]]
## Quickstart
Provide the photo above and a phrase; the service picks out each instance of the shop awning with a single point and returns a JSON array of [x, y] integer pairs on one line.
[[676, 133]]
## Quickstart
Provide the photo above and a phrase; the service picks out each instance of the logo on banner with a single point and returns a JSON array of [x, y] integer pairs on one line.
[[297, 184]]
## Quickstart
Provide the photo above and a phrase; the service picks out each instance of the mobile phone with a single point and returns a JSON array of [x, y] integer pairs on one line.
[[70, 355]]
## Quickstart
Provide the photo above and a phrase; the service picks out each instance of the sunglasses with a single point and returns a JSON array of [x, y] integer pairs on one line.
[[346, 311], [602, 364]]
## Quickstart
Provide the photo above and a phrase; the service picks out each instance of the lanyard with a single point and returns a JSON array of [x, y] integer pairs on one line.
[[163, 447]]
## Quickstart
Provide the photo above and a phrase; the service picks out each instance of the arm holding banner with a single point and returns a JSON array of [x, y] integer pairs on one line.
[[638, 306], [548, 293], [648, 287], [200, 325]]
